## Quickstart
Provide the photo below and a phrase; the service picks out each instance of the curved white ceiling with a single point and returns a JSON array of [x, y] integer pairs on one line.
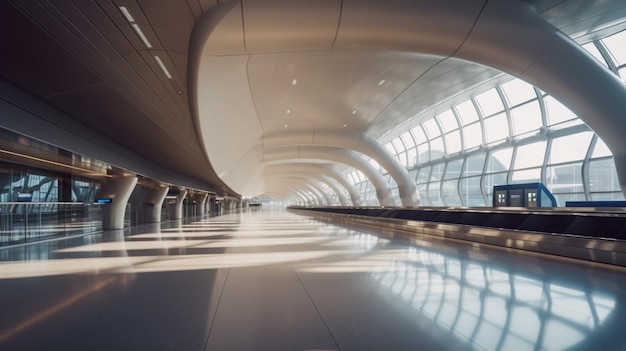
[[233, 67], [353, 66]]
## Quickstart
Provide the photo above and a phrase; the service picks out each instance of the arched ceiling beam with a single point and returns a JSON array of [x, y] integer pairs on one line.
[[304, 189], [326, 170], [352, 141], [310, 182], [281, 194], [318, 172], [300, 197], [316, 181], [289, 194], [383, 191]]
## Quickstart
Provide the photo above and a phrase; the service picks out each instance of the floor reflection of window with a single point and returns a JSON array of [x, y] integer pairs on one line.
[[493, 308]]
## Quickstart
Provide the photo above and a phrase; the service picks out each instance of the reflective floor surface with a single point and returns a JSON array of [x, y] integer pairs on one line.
[[271, 280]]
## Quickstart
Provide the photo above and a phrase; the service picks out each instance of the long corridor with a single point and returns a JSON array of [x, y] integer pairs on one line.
[[272, 280]]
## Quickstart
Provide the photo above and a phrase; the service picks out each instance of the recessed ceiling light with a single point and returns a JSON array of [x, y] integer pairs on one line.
[[285, 126], [288, 111], [345, 125], [294, 81], [382, 81], [127, 14], [163, 68], [354, 112], [141, 35]]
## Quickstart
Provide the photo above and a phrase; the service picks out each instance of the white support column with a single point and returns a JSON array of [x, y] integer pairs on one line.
[[178, 208], [118, 189], [155, 197], [200, 200]]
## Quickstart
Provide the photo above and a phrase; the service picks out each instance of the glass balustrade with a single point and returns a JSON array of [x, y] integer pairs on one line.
[[27, 222]]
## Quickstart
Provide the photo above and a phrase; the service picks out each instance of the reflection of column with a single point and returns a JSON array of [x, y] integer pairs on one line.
[[178, 210], [118, 189], [153, 203]]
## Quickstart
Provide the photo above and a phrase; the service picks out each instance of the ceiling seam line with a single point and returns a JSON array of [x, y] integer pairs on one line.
[[332, 45], [545, 47], [431, 67], [243, 28], [256, 111], [469, 32]]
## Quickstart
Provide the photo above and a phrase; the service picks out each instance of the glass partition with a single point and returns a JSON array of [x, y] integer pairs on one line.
[[27, 222]]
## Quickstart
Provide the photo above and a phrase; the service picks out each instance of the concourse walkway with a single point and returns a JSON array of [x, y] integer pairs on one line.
[[271, 280]]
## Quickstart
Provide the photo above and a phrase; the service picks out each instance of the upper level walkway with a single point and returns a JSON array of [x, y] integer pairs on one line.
[[272, 280]]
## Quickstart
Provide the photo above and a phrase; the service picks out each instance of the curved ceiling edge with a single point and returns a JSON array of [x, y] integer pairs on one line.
[[204, 26]]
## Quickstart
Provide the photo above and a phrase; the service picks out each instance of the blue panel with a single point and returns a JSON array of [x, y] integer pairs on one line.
[[595, 204]]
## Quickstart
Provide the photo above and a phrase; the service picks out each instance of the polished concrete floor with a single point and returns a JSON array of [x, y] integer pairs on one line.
[[271, 280]]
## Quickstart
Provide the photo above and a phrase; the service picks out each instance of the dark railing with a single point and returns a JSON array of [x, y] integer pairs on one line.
[[610, 224], [596, 235]]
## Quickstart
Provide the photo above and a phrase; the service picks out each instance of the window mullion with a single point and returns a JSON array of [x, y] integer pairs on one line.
[[442, 181], [546, 157], [585, 167], [606, 55], [507, 110]]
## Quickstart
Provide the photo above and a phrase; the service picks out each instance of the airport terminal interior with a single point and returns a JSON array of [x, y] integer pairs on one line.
[[312, 175]]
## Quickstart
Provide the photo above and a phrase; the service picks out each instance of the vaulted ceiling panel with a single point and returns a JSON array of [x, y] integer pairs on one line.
[[170, 22], [312, 27], [84, 103], [35, 60], [576, 17], [442, 82], [439, 26]]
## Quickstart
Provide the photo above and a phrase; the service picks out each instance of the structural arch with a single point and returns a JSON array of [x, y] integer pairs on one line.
[[383, 191]]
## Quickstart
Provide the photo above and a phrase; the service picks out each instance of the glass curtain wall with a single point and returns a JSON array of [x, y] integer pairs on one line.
[[512, 133], [16, 181], [41, 185], [31, 210]]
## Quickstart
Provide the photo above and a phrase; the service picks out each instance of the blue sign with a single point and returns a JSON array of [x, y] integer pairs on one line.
[[24, 197]]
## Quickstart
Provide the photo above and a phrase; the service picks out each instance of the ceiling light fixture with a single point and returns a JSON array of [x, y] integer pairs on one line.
[[127, 14], [345, 125], [294, 81], [135, 26], [167, 73], [382, 81], [354, 112], [285, 126], [288, 111], [141, 35]]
